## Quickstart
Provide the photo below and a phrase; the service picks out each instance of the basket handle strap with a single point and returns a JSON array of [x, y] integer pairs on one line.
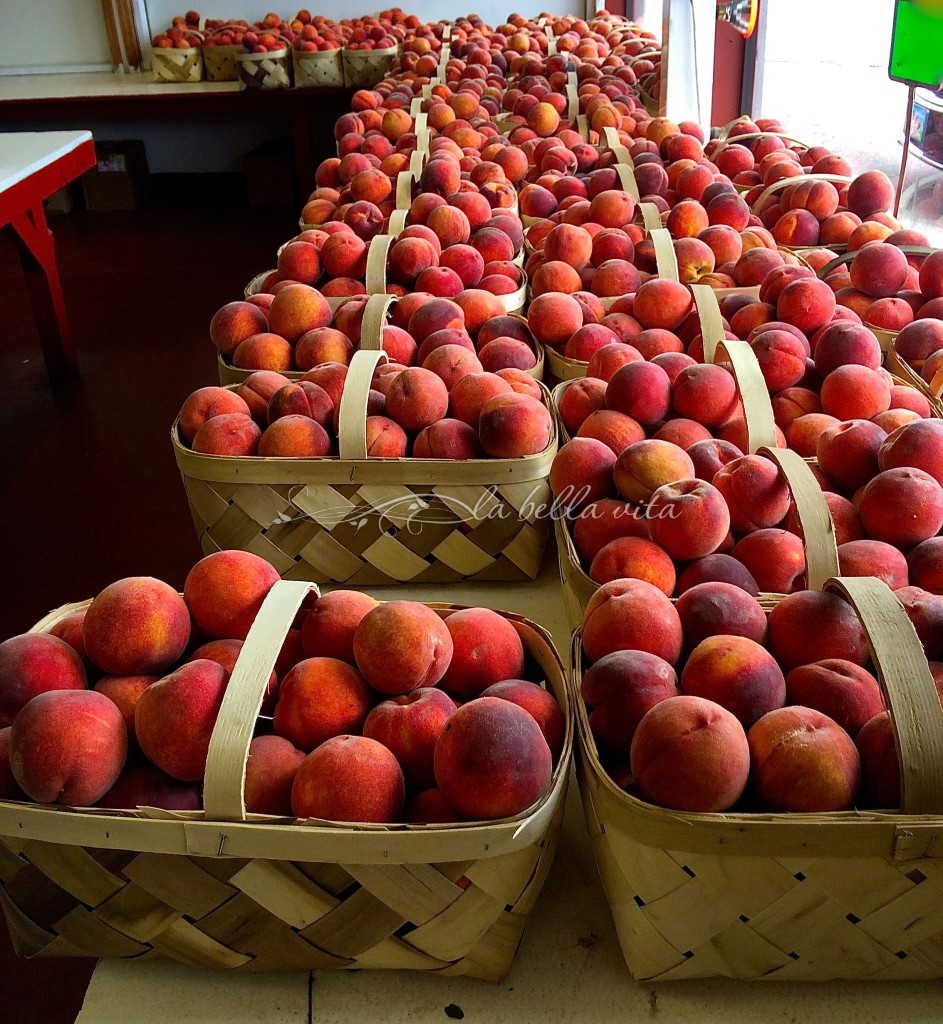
[[735, 139], [904, 675], [224, 786], [815, 520], [376, 264], [622, 155], [352, 417], [665, 260], [836, 179], [651, 217], [375, 313]]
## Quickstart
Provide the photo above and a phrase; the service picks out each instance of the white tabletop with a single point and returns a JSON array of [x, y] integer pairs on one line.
[[25, 153], [74, 85]]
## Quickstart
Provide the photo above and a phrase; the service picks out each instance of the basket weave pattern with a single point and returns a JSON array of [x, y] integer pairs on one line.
[[265, 70], [177, 65], [463, 918], [375, 533], [220, 63]]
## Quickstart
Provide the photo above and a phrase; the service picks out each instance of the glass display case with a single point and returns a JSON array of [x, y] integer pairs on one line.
[[921, 205]]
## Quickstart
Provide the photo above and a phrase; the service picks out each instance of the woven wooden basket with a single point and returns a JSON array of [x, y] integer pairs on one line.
[[224, 889], [177, 65], [363, 69], [787, 897], [220, 63], [318, 69], [265, 70], [362, 521]]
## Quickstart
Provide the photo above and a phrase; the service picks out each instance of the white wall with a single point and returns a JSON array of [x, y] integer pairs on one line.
[[49, 34], [493, 12]]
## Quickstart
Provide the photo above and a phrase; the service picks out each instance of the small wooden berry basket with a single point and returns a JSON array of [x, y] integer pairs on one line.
[[226, 889], [270, 70], [318, 69], [176, 66], [219, 62], [786, 897], [365, 521], [363, 69]]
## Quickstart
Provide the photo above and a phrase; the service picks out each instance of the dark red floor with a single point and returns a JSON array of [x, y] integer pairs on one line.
[[90, 491]]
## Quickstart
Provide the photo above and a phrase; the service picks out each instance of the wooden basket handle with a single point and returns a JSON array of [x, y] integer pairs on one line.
[[627, 180], [375, 313], [423, 135], [224, 785], [572, 102], [815, 520], [835, 179], [352, 416], [415, 106], [397, 223], [904, 675], [622, 155], [665, 259], [651, 217], [735, 139], [376, 264], [404, 189], [582, 126], [417, 160]]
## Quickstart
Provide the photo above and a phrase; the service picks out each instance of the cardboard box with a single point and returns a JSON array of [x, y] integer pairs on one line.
[[269, 177], [62, 201], [119, 179]]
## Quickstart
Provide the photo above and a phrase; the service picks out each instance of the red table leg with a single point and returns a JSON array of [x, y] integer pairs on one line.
[[38, 256]]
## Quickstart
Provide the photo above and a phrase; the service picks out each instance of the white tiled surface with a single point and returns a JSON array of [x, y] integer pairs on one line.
[[569, 969]]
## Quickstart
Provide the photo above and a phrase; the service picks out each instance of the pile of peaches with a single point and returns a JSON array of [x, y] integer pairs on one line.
[[710, 704], [458, 403], [419, 718]]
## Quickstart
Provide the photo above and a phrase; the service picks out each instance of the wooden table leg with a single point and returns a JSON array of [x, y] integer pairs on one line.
[[38, 256]]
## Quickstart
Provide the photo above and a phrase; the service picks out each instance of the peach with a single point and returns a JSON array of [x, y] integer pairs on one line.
[[448, 362], [514, 426], [844, 517], [848, 453], [231, 434], [486, 649], [791, 403], [794, 228], [878, 270], [662, 303], [298, 309], [889, 314], [902, 506], [328, 629], [868, 231], [803, 761], [349, 778], [225, 590], [710, 456], [614, 278], [263, 352], [539, 703], [271, 767], [409, 726], [125, 692], [471, 393], [713, 609], [736, 673], [223, 652], [641, 390], [294, 437], [620, 688], [925, 565], [804, 432], [811, 626], [491, 760], [755, 492], [521, 382], [870, 193], [807, 304], [782, 359], [873, 558], [507, 352], [581, 472], [687, 219], [302, 398], [34, 664], [385, 439], [67, 747], [434, 314], [925, 611], [447, 439], [844, 343], [646, 465], [319, 698], [706, 394], [892, 419], [329, 376], [603, 521], [175, 716], [579, 399], [589, 340], [70, 628], [607, 360], [634, 558], [918, 340], [672, 362], [916, 445], [136, 626], [147, 786], [752, 267], [774, 558], [931, 276], [688, 519], [855, 392], [427, 807], [235, 322], [554, 318], [717, 568], [401, 646], [205, 403], [301, 261], [880, 766], [682, 432], [844, 691], [690, 754], [723, 240], [417, 397], [570, 244], [631, 615]]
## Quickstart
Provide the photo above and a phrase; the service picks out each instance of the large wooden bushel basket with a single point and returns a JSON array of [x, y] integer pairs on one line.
[[789, 897], [222, 889], [362, 521]]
